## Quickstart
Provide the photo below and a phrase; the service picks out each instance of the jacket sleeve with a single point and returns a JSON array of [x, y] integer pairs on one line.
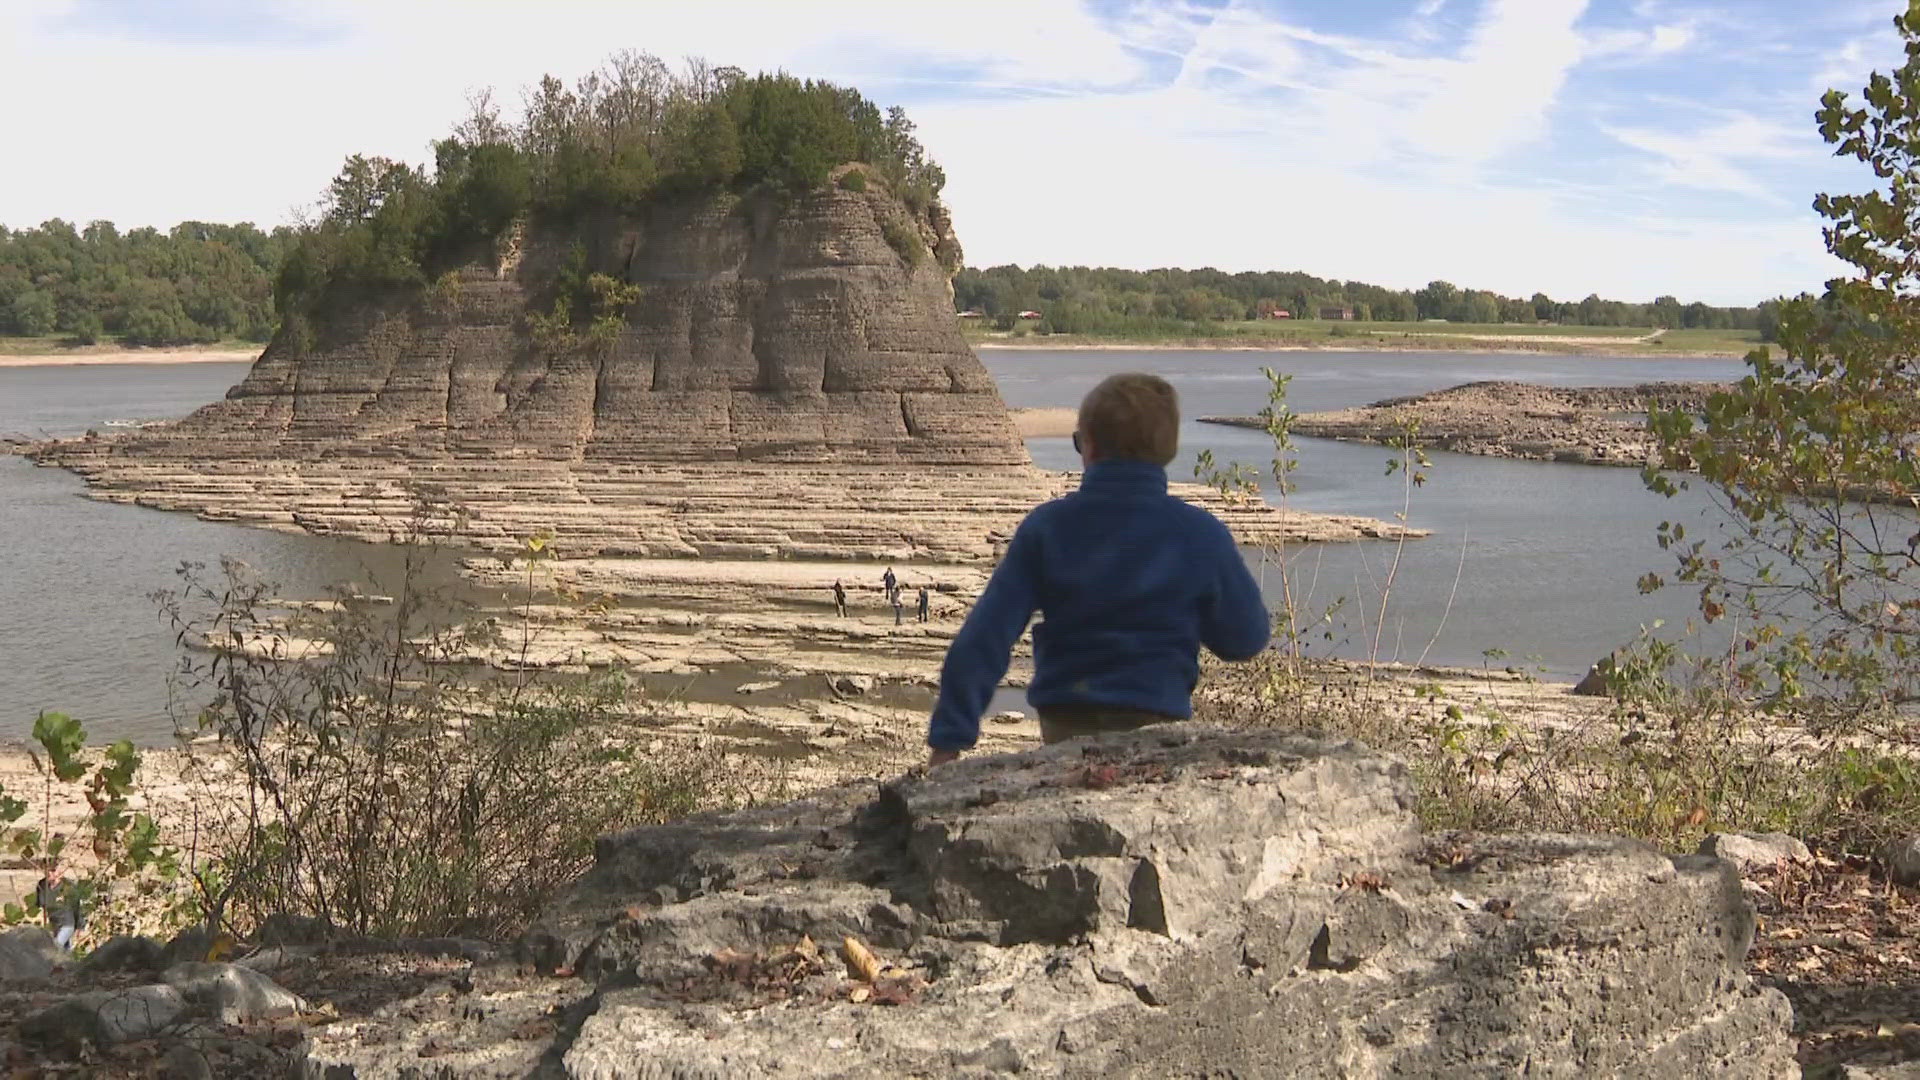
[[977, 659], [1234, 625]]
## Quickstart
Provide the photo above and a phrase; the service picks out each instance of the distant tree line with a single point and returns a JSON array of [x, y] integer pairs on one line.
[[631, 132], [1096, 300], [196, 283]]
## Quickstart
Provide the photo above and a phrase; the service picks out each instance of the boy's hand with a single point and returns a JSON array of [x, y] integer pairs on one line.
[[941, 757]]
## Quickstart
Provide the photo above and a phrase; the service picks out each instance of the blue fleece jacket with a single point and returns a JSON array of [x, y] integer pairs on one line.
[[1129, 582]]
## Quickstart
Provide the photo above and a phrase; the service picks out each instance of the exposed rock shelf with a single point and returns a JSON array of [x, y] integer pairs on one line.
[[660, 510], [1173, 901], [1589, 425]]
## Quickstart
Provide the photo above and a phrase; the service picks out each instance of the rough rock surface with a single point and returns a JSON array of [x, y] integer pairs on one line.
[[27, 952], [1588, 425], [231, 993], [790, 384], [191, 992], [1175, 901], [1903, 859], [1748, 850], [101, 1017]]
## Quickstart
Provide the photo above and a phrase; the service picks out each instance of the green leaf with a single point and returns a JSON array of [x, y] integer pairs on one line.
[[62, 737]]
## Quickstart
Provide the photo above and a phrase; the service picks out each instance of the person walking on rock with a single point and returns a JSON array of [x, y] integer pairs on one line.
[[59, 901], [899, 609], [923, 604], [889, 582], [840, 599], [1130, 581]]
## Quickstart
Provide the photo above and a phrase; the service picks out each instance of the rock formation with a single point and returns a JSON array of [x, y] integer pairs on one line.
[[766, 330], [1176, 901], [790, 383], [1587, 425]]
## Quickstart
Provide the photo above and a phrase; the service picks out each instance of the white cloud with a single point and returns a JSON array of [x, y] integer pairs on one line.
[[1173, 200], [1498, 93], [1641, 45], [1670, 39], [1711, 158], [1390, 156], [1847, 67]]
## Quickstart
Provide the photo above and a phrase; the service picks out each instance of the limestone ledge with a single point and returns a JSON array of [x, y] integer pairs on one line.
[[722, 511]]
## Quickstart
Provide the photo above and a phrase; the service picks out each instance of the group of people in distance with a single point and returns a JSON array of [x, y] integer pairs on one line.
[[891, 583]]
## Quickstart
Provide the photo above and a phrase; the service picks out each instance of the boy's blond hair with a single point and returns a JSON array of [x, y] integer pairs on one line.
[[1134, 417]]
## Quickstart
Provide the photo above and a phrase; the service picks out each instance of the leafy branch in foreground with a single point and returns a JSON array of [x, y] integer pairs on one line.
[[1810, 458], [120, 859]]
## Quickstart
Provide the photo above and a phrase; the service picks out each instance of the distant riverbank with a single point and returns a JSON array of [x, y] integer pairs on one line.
[[198, 354], [1399, 337]]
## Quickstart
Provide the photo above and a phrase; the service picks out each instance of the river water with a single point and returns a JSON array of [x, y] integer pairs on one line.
[[1536, 560]]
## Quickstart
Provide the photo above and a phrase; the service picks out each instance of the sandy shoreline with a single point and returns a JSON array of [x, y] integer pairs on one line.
[[1571, 349], [1054, 423], [131, 356], [1593, 347]]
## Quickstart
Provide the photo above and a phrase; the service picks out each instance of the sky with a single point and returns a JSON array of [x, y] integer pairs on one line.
[[1632, 148]]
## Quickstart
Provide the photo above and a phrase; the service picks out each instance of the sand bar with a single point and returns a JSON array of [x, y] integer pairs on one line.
[[77, 357]]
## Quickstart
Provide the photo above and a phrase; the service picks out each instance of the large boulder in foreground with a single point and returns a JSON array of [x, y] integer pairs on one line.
[[1177, 901]]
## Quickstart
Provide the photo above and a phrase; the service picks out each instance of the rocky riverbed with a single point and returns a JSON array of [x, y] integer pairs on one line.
[[1588, 425]]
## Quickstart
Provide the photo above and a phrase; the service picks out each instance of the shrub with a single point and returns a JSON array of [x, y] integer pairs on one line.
[[124, 875], [86, 330], [853, 180], [904, 239], [386, 790]]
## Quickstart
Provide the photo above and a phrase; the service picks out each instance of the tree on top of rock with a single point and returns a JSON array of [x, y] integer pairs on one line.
[[619, 137]]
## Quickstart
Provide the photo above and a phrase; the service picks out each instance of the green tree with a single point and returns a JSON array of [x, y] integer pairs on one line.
[[790, 132], [364, 185], [707, 153], [32, 313], [1818, 573], [1437, 300]]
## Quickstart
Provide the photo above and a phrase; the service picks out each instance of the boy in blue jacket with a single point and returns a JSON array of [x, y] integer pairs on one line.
[[1129, 582]]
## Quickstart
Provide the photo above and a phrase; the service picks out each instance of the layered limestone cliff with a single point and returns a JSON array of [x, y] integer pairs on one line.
[[767, 329], [790, 383]]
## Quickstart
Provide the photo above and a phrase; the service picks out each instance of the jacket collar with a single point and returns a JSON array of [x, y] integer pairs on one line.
[[1121, 475]]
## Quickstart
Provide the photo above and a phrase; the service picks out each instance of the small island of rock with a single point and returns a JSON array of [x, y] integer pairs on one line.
[[1587, 425]]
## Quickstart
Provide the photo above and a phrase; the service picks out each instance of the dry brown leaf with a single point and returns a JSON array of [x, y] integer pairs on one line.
[[1365, 881], [860, 960]]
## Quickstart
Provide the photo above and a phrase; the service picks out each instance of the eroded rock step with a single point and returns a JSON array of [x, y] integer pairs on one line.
[[1178, 901]]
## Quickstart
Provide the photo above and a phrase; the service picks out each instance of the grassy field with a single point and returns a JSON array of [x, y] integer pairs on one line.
[[63, 346], [1327, 334], [1730, 342]]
